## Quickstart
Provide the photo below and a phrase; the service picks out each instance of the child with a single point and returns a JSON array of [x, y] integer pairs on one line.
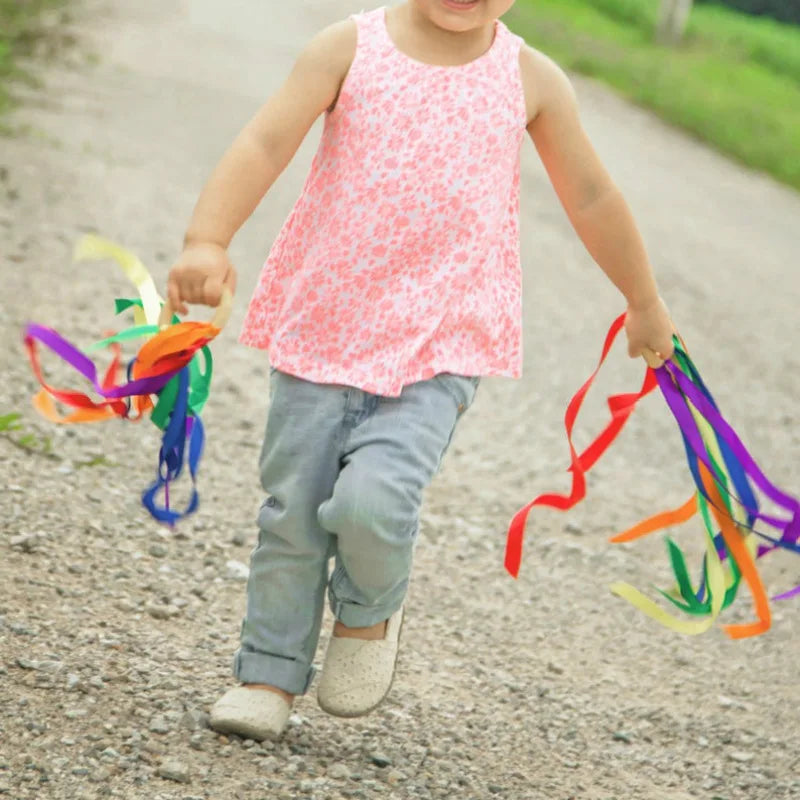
[[393, 285]]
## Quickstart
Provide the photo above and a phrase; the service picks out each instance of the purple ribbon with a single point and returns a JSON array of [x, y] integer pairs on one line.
[[85, 366], [675, 394]]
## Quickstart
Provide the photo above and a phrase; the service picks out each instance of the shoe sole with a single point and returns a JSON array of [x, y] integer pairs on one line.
[[353, 715]]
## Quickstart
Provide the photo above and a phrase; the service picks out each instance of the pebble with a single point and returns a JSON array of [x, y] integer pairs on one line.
[[73, 682], [159, 724], [194, 720], [174, 771], [196, 741], [380, 760], [27, 542], [394, 776], [236, 571], [240, 538], [158, 550], [161, 610], [338, 771], [40, 666]]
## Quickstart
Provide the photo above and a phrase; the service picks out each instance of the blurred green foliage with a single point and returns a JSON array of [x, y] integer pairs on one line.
[[734, 82], [783, 10], [760, 39], [20, 29], [12, 429]]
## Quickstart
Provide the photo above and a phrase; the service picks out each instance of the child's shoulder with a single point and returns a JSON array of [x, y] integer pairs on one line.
[[543, 80], [333, 47]]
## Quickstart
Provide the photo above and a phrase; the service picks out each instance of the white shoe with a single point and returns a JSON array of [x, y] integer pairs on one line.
[[250, 713], [358, 673]]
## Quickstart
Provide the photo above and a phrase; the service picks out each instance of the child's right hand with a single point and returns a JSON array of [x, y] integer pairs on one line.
[[199, 275]]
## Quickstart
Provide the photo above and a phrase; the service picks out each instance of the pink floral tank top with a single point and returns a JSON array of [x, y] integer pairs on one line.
[[400, 260]]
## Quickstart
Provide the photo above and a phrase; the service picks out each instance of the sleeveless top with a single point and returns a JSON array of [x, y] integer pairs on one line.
[[400, 259]]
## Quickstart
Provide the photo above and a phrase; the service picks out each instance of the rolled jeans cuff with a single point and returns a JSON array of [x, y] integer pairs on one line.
[[353, 615], [288, 674]]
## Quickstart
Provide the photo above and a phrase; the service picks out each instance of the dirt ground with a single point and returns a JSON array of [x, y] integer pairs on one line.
[[116, 635]]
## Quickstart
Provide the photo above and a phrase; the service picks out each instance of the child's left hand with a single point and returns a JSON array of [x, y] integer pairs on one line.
[[649, 328]]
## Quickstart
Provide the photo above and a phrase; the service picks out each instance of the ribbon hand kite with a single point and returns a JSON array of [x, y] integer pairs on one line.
[[726, 478], [169, 377]]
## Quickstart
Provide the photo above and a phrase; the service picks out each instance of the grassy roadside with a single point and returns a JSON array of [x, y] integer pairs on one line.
[[27, 27], [735, 82]]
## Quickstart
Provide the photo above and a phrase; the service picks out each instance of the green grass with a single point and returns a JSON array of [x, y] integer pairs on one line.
[[11, 428], [773, 44], [21, 31], [735, 82]]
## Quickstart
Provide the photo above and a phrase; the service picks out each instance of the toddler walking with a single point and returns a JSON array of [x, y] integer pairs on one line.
[[393, 286]]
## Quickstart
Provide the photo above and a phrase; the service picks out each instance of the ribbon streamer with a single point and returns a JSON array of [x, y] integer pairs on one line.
[[169, 377], [727, 479]]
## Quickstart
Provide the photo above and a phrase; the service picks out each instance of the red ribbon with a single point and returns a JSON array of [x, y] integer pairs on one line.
[[621, 407]]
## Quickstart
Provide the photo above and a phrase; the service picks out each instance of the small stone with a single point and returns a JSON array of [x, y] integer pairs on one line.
[[338, 771], [622, 736], [100, 775], [394, 777], [40, 666], [27, 542], [73, 681], [161, 610], [380, 760], [239, 538], [158, 550], [236, 571], [740, 757], [159, 724], [174, 771], [194, 720], [21, 629]]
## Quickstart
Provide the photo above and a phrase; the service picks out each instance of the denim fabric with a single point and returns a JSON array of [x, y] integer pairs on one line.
[[344, 472]]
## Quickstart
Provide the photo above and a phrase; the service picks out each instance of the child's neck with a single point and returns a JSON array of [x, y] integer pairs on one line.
[[419, 37]]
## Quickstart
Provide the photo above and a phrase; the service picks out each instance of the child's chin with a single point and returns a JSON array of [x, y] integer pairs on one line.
[[446, 22]]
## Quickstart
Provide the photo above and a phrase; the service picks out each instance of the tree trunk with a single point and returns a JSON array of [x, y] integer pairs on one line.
[[672, 20]]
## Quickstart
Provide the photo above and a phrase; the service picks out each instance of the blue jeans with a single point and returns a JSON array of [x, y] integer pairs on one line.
[[344, 472]]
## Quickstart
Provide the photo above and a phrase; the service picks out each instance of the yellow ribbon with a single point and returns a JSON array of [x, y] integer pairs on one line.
[[718, 581], [96, 248]]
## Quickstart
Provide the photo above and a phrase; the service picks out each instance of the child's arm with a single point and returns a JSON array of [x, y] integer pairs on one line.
[[594, 205], [252, 164]]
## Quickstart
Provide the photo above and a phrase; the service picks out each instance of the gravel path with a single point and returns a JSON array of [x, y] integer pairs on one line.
[[116, 635]]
